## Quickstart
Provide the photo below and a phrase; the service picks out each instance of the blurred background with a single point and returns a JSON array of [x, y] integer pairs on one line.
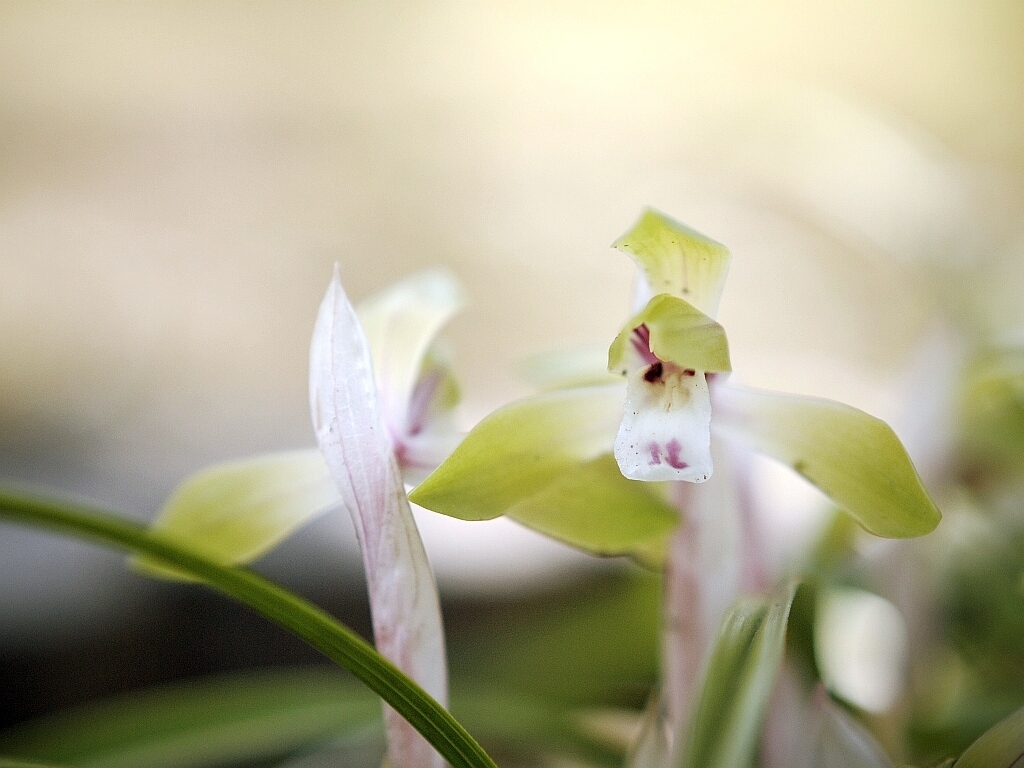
[[177, 178]]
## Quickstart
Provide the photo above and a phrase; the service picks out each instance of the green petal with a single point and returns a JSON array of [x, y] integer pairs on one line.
[[854, 458], [519, 450], [1001, 746], [737, 685], [679, 333], [677, 260], [593, 507], [237, 511], [400, 324]]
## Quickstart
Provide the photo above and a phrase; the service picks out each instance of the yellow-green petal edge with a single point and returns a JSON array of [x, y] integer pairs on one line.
[[679, 333], [520, 449], [854, 458], [677, 260], [236, 511], [593, 507]]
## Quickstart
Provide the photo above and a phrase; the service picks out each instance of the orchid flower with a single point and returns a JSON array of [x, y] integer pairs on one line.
[[524, 459], [578, 463], [381, 398]]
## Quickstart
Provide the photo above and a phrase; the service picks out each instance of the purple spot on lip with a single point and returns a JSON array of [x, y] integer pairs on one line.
[[674, 461], [655, 454]]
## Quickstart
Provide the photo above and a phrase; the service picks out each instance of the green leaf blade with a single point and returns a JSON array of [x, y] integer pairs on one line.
[[206, 722], [1002, 746], [737, 684], [300, 617]]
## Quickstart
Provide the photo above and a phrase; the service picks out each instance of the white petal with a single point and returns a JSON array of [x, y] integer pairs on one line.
[[352, 436], [400, 324], [665, 432]]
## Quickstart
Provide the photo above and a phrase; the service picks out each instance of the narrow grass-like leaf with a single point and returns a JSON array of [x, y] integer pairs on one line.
[[263, 715], [1001, 746], [227, 719], [854, 458], [236, 511], [293, 613], [678, 260], [737, 685]]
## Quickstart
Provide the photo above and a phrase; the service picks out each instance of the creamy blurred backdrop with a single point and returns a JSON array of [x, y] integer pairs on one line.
[[177, 178]]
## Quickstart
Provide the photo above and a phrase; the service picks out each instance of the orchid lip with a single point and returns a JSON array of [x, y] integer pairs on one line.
[[665, 430]]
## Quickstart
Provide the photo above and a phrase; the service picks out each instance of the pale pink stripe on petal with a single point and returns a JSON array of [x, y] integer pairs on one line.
[[353, 439]]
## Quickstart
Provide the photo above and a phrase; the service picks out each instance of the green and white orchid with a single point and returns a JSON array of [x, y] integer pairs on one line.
[[666, 350], [381, 399], [547, 461], [516, 460]]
